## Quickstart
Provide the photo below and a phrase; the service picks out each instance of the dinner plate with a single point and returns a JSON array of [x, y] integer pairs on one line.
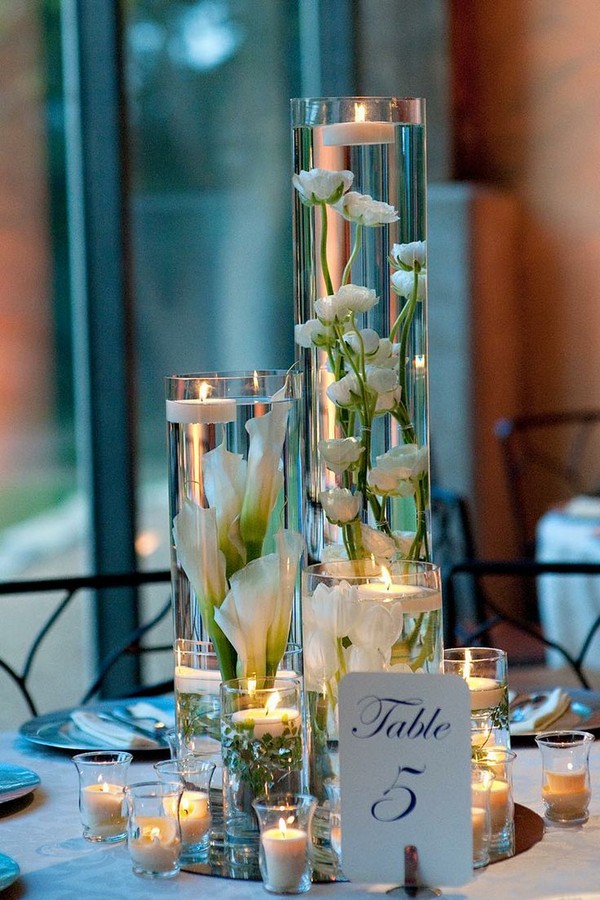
[[57, 729], [9, 871], [582, 715], [16, 781]]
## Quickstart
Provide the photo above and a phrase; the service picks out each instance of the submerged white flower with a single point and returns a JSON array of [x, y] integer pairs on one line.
[[403, 283], [334, 608], [383, 481], [340, 454], [332, 309], [357, 298], [405, 460], [365, 341], [313, 334], [340, 505], [345, 392], [322, 185], [409, 254], [363, 209], [224, 485]]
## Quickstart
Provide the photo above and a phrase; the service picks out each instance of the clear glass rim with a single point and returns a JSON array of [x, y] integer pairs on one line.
[[255, 384], [329, 110], [183, 765], [275, 684], [283, 802], [103, 757], [150, 789], [566, 738], [477, 654], [401, 569]]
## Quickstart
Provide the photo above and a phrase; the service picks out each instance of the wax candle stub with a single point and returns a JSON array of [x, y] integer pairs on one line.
[[102, 810], [358, 132], [566, 794], [154, 844], [285, 856]]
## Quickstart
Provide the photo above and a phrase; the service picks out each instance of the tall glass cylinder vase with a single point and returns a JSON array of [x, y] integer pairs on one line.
[[235, 511], [361, 324]]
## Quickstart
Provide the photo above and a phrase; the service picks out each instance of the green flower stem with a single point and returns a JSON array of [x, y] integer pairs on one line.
[[324, 263], [355, 248]]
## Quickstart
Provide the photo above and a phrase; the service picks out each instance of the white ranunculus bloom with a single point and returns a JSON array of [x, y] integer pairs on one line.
[[331, 309], [361, 208], [405, 460], [409, 254], [377, 543], [403, 283], [345, 392], [357, 298], [340, 505], [321, 185], [381, 379], [384, 481], [382, 354], [339, 454], [312, 333], [367, 340]]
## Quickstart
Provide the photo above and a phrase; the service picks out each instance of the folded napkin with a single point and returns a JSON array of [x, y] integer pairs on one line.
[[111, 734], [539, 717], [141, 709]]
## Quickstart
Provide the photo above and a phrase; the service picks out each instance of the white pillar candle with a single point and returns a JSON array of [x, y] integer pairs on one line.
[[266, 721], [499, 805], [478, 819], [154, 843], [566, 794], [194, 815], [102, 808], [285, 856]]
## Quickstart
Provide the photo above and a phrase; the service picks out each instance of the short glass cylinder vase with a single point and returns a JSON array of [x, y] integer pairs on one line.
[[485, 669], [360, 267], [358, 616], [197, 681], [285, 828], [235, 498], [262, 748]]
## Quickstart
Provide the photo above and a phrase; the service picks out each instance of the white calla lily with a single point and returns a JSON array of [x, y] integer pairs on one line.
[[255, 614], [264, 478], [320, 654], [196, 538], [224, 485], [334, 608]]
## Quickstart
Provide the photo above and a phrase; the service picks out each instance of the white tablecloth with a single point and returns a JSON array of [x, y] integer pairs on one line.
[[569, 604], [58, 864]]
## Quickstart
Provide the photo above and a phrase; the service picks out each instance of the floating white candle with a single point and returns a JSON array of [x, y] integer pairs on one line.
[[358, 132], [285, 856], [154, 843], [265, 721], [486, 693], [205, 410], [566, 794], [197, 681]]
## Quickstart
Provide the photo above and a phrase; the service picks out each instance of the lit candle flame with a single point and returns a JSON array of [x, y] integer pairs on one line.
[[282, 827], [255, 381], [251, 686], [359, 112], [386, 578], [272, 702], [205, 390]]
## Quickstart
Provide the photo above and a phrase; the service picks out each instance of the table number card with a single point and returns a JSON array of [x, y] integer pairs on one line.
[[405, 773]]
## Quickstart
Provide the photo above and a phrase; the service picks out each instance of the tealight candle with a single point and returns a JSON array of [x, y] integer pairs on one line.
[[154, 844], [102, 808], [285, 856], [189, 680], [358, 132], [500, 796], [478, 819]]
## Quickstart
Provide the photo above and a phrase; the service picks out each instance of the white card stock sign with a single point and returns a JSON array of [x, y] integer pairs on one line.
[[405, 774]]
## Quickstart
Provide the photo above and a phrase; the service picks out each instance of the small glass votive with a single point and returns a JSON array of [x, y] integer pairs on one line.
[[195, 817], [499, 762], [284, 861], [481, 783], [154, 835], [566, 788], [102, 779], [485, 669]]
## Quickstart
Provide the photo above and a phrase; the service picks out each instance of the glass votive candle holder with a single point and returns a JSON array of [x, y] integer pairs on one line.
[[153, 834], [499, 762], [332, 791], [566, 790], [284, 860], [481, 783], [195, 817], [485, 669], [102, 779]]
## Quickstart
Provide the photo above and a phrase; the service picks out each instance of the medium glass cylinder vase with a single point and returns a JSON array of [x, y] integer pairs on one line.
[[235, 513], [361, 324]]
